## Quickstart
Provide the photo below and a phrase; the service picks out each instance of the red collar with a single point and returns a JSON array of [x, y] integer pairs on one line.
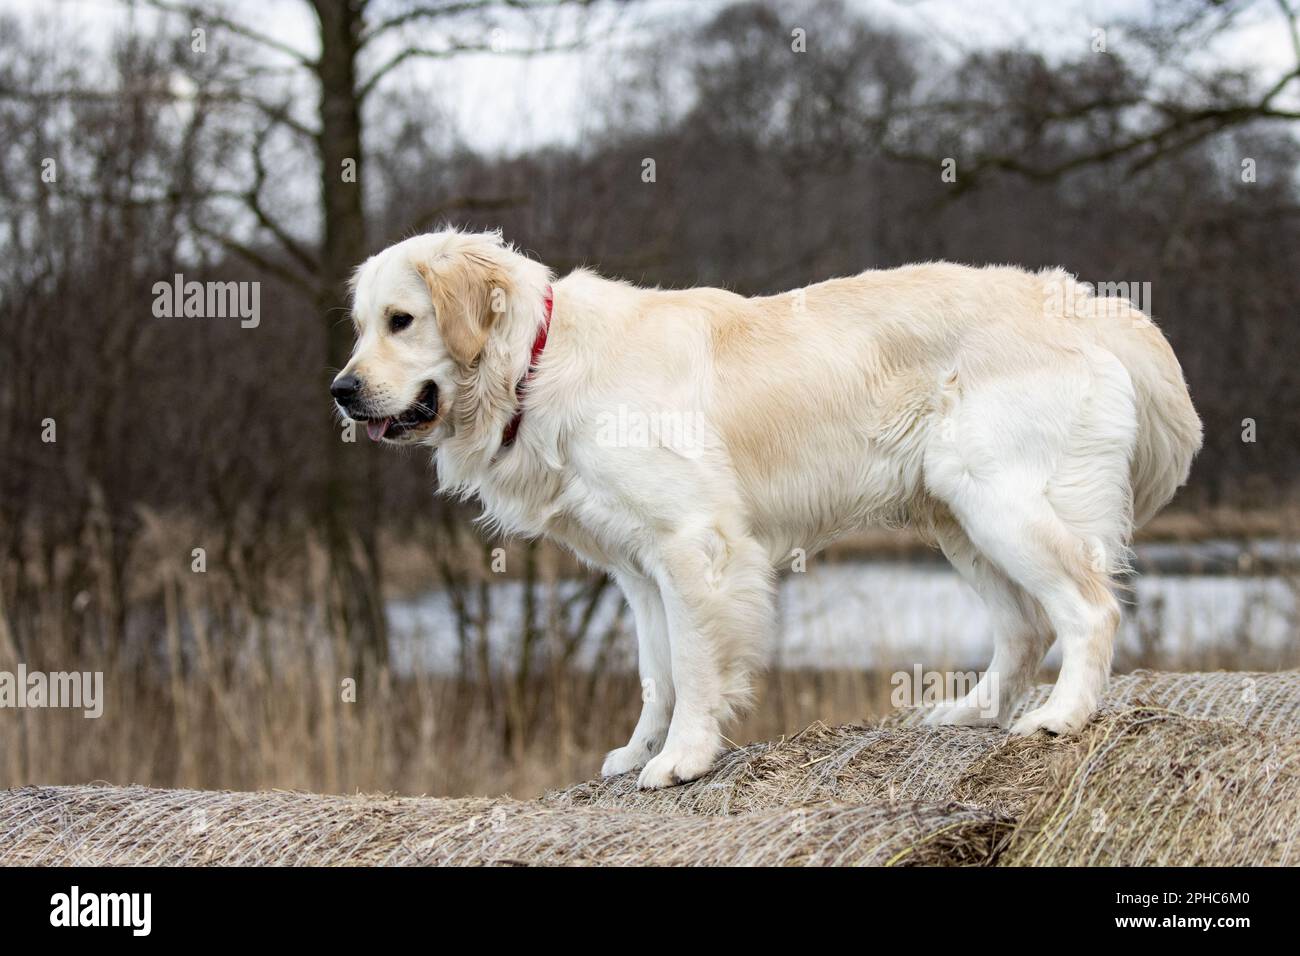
[[539, 343]]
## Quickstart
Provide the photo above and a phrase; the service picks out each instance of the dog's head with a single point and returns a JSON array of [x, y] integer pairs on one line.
[[424, 310]]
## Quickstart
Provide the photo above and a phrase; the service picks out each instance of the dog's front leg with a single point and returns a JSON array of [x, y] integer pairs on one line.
[[716, 590], [655, 665]]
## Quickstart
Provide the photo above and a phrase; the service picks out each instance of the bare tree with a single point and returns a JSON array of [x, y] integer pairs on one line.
[[1107, 107], [359, 45]]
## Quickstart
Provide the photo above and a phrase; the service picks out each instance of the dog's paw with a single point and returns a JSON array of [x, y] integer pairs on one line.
[[676, 765], [957, 714], [1057, 721], [631, 757]]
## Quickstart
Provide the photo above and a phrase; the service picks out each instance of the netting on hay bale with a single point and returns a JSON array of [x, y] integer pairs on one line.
[[139, 826], [1260, 701], [847, 764], [1148, 787], [901, 760]]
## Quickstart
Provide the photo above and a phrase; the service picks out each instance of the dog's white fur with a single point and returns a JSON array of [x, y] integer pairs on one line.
[[1018, 422]]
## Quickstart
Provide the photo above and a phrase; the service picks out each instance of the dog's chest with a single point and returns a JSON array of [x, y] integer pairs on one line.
[[565, 510], [593, 544]]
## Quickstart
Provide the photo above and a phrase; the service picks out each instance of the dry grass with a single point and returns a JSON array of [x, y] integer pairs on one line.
[[1142, 785], [846, 764], [96, 826], [900, 760], [412, 735], [1260, 701], [1150, 788], [239, 678]]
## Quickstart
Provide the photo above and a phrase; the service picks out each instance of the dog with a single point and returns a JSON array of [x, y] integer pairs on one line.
[[1017, 420]]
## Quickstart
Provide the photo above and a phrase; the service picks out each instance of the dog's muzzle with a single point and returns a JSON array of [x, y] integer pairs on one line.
[[416, 417]]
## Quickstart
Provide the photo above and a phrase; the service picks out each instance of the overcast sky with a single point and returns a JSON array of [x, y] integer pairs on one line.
[[511, 104]]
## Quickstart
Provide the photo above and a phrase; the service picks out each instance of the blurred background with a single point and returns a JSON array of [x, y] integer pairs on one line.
[[273, 605]]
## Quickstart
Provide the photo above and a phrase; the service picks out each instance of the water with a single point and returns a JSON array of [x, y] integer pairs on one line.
[[894, 614]]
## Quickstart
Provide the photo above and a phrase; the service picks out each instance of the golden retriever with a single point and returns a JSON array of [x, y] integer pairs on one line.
[[690, 442]]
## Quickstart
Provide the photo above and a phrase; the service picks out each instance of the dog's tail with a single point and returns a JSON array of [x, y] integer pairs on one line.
[[1169, 430]]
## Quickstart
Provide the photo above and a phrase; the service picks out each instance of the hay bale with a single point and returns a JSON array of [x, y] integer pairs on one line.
[[900, 759], [1148, 787], [139, 826], [102, 825], [1261, 701], [1141, 785], [847, 764]]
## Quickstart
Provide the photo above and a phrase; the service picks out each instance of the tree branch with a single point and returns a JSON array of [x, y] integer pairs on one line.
[[455, 48], [278, 112], [432, 11], [257, 259], [200, 15], [425, 12], [253, 199], [1183, 128]]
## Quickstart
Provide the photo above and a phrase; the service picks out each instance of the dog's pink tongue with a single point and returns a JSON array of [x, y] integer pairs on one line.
[[376, 429]]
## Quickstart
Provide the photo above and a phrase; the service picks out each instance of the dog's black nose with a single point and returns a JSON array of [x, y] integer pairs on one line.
[[345, 388]]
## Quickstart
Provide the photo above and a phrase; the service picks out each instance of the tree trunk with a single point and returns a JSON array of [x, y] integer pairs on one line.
[[350, 517]]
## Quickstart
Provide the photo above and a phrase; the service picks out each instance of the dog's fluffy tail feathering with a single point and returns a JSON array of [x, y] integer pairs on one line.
[[1169, 430]]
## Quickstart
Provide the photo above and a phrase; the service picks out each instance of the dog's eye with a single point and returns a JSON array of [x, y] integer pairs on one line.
[[399, 321]]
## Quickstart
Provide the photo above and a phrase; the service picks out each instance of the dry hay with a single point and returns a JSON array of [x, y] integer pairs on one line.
[[900, 759], [1141, 785], [1260, 701], [1138, 786], [1148, 787], [848, 764], [143, 827]]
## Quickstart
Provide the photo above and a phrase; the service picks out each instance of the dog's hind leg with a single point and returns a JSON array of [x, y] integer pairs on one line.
[[1021, 634], [716, 585], [1035, 549], [654, 663], [1035, 468]]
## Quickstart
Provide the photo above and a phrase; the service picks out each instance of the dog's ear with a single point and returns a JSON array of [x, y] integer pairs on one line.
[[469, 288]]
